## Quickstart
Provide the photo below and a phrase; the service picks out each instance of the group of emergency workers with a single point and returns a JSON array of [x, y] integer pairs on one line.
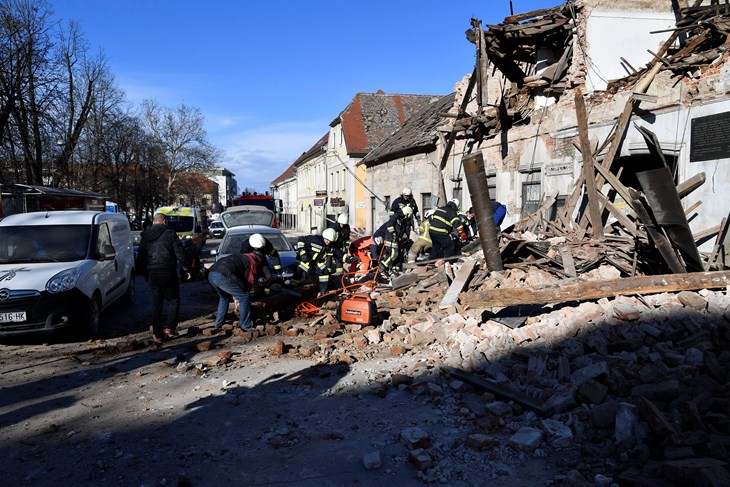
[[320, 257]]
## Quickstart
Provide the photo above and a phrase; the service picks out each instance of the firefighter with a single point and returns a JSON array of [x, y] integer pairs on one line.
[[318, 257], [342, 235], [395, 235], [423, 242], [270, 268], [443, 221], [406, 199]]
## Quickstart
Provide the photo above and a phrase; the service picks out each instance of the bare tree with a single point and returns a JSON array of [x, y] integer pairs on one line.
[[87, 85], [183, 140], [27, 84]]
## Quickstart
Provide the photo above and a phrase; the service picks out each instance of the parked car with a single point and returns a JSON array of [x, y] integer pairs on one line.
[[235, 237], [60, 269], [217, 229], [247, 215]]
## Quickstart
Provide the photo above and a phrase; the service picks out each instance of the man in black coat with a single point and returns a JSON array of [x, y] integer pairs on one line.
[[157, 258]]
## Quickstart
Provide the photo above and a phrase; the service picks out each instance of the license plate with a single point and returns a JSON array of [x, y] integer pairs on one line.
[[13, 316]]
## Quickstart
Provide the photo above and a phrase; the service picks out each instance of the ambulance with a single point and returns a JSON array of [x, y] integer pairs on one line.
[[188, 223]]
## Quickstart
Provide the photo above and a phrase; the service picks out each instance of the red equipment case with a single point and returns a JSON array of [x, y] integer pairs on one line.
[[357, 309]]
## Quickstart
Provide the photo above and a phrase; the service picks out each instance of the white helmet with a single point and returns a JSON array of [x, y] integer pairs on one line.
[[378, 240], [329, 234], [454, 203], [406, 192], [256, 241], [407, 211], [430, 212], [343, 219]]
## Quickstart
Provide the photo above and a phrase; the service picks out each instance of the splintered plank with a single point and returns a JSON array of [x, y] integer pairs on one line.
[[462, 276], [570, 290]]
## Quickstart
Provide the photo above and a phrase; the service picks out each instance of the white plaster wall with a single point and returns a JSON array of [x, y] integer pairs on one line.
[[612, 35], [416, 172]]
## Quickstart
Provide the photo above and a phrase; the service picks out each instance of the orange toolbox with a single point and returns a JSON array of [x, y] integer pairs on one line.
[[357, 309]]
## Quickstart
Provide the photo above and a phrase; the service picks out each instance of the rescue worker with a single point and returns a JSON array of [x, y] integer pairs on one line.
[[499, 211], [443, 221], [469, 223], [270, 269], [406, 199], [423, 242], [395, 235], [342, 235], [365, 252], [233, 277], [318, 257]]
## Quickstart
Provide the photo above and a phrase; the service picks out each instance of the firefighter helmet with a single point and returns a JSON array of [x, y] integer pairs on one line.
[[342, 219], [256, 241], [329, 234]]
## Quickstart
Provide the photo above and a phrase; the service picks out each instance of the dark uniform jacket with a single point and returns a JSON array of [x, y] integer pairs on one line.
[[160, 251], [444, 220], [343, 235], [240, 268], [395, 229], [312, 249]]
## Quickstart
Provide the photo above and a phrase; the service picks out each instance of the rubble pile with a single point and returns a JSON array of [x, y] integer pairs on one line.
[[631, 389]]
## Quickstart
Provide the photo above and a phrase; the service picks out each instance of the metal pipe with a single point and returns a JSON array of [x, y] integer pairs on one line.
[[476, 180]]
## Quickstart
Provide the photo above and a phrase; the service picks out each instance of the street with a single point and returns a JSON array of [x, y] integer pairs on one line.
[[215, 409]]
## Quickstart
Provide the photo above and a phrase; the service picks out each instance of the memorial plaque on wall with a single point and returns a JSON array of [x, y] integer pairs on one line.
[[710, 138]]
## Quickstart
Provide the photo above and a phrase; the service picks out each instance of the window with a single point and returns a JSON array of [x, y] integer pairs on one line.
[[103, 239], [530, 198], [426, 203]]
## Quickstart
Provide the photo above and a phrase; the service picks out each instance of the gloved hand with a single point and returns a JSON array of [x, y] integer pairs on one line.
[[304, 257]]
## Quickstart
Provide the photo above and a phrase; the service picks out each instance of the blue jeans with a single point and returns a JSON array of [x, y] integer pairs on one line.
[[227, 289]]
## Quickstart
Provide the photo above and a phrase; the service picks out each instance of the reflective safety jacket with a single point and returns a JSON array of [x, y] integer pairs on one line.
[[394, 230], [444, 220], [313, 253]]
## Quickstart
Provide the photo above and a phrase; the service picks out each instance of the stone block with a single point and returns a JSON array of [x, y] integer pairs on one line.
[[526, 439], [692, 300], [481, 442], [371, 460], [558, 434], [415, 438], [420, 459]]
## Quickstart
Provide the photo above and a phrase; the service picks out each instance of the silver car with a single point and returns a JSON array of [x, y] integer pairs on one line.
[[236, 236]]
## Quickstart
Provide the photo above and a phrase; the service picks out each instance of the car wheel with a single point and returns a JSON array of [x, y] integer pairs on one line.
[[129, 296], [92, 318]]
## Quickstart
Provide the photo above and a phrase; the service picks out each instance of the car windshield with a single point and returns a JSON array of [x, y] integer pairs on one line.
[[249, 216], [232, 243], [180, 223], [44, 243], [216, 225]]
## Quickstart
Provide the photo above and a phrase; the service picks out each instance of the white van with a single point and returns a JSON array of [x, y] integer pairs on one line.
[[60, 269]]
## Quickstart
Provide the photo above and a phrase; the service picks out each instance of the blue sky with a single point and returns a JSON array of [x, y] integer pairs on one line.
[[270, 76]]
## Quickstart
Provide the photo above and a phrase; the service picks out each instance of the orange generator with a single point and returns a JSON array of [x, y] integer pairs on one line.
[[358, 309]]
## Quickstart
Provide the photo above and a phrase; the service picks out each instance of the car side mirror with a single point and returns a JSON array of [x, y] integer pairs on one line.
[[109, 252]]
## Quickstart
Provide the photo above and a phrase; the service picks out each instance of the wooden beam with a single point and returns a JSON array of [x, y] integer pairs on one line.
[[589, 174], [686, 187], [575, 290], [462, 276], [495, 388]]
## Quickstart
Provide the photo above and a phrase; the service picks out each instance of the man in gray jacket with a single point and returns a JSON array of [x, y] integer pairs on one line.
[[157, 258]]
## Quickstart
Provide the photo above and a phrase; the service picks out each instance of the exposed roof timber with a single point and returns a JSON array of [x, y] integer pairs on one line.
[[533, 14]]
